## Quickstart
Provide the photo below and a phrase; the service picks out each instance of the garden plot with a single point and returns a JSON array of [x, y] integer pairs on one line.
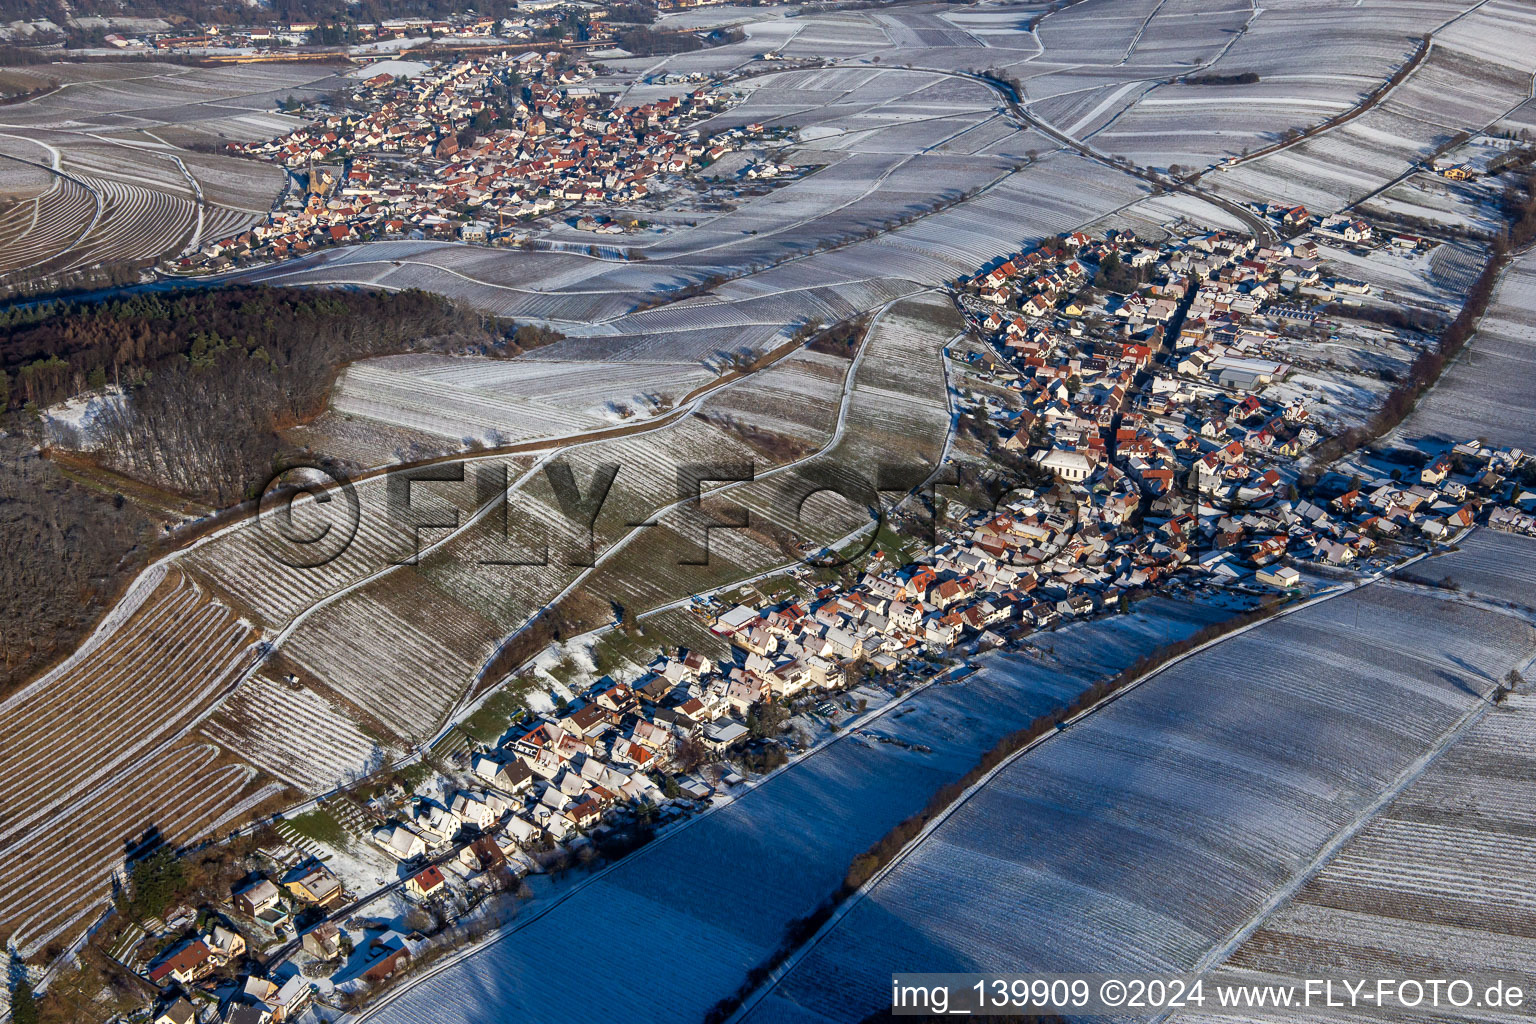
[[1142, 837], [500, 402], [77, 741], [1487, 392], [296, 735]]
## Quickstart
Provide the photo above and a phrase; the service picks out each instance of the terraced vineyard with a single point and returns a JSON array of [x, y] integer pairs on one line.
[[93, 758], [39, 230]]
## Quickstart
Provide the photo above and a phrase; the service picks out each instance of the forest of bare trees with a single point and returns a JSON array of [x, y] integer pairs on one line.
[[209, 378], [61, 543]]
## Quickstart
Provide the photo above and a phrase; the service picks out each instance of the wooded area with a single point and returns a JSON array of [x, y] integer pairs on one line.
[[61, 543], [209, 378]]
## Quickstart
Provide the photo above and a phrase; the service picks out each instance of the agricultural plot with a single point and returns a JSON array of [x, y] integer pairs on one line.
[[894, 411], [1489, 566], [403, 643], [40, 230], [23, 171], [1312, 63], [1464, 84], [295, 735], [356, 441], [689, 885], [403, 662], [502, 402], [92, 758], [1486, 392], [246, 185], [136, 223], [273, 569], [1144, 836], [1094, 34], [149, 94], [796, 398], [126, 198], [1430, 200], [1438, 883]]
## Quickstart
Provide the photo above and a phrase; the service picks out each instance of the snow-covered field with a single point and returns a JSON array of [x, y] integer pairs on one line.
[[500, 402], [93, 754], [1467, 81], [296, 735], [1487, 392], [1141, 838], [1439, 883], [717, 894]]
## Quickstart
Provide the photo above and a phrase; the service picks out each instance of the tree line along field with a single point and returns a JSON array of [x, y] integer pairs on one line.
[[1145, 836]]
